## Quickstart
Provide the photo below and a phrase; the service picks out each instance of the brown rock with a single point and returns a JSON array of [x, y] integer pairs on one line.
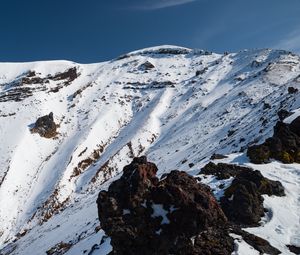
[[45, 126], [175, 215]]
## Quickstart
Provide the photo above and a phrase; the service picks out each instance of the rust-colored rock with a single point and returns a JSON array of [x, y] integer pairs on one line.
[[45, 126], [175, 215]]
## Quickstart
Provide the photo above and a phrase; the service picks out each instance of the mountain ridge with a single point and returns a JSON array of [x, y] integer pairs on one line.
[[185, 106]]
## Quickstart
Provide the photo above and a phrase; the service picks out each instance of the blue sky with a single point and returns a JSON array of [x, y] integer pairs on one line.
[[97, 30]]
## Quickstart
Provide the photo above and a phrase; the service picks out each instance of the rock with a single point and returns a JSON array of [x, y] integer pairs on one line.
[[191, 165], [200, 72], [256, 64], [68, 76], [256, 242], [174, 215], [242, 202], [45, 126], [292, 90], [259, 154], [60, 248], [222, 170], [146, 66], [295, 126], [284, 145], [217, 156], [294, 249], [282, 114]]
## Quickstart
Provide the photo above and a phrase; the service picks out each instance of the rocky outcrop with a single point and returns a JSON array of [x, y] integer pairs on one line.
[[256, 242], [174, 215], [294, 249], [242, 202], [217, 156], [45, 126], [68, 76], [282, 114], [284, 145], [222, 170], [146, 66]]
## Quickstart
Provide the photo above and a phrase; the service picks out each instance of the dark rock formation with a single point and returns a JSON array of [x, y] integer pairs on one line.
[[294, 249], [217, 156], [256, 242], [146, 66], [174, 215], [242, 202], [60, 248], [222, 170], [284, 145], [69, 75], [282, 114], [45, 126], [292, 90]]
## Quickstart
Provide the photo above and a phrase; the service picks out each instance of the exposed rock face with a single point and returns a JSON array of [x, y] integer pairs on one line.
[[175, 215], [69, 76], [283, 146], [45, 126]]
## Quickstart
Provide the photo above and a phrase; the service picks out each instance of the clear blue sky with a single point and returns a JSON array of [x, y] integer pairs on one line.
[[97, 30]]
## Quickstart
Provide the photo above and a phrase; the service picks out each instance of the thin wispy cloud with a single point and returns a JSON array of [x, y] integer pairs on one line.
[[291, 42], [154, 5]]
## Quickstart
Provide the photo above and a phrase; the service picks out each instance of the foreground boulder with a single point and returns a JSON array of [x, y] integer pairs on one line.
[[284, 145], [175, 215], [242, 202], [45, 126]]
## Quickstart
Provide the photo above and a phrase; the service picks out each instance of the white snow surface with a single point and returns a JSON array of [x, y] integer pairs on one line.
[[192, 104]]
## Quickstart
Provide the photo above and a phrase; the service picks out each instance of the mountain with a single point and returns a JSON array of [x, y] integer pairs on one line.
[[176, 105]]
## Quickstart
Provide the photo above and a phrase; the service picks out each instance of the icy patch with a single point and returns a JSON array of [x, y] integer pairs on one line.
[[217, 186], [158, 211], [126, 211]]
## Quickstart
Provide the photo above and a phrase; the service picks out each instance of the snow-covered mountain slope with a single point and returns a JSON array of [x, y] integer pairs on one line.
[[178, 106]]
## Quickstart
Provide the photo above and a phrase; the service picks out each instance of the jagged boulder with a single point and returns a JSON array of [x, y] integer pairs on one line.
[[284, 145], [242, 202], [45, 126], [174, 215]]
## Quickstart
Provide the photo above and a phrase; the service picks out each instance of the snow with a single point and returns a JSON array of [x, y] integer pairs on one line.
[[241, 247], [169, 113], [159, 211]]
